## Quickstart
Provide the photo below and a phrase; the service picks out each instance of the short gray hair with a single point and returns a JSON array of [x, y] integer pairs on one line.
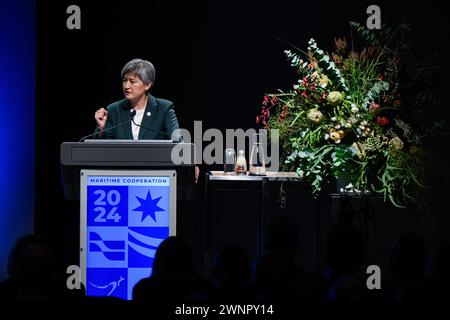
[[143, 69]]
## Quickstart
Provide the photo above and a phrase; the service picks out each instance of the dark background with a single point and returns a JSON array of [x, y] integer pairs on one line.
[[215, 60]]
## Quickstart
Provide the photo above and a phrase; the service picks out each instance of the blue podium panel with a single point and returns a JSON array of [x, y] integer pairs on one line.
[[124, 216]]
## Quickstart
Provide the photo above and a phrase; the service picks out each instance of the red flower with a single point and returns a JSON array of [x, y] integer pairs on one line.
[[274, 100], [304, 94], [374, 106], [382, 121], [283, 113], [305, 82], [257, 119]]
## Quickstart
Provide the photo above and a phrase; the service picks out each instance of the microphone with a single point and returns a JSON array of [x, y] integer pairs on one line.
[[155, 130], [132, 114]]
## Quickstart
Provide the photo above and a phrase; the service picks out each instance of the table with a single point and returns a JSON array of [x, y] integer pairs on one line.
[[237, 208]]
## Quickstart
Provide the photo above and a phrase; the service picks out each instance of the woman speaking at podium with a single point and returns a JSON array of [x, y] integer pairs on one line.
[[140, 115]]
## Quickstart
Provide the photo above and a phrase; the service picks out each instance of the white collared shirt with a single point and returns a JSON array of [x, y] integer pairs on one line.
[[138, 119]]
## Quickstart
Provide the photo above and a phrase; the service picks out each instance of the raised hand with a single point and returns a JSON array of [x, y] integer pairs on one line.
[[101, 115]]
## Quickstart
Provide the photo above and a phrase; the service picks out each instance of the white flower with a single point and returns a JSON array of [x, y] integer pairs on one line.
[[354, 108]]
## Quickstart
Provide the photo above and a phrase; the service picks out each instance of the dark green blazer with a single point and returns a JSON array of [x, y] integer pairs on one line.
[[158, 122]]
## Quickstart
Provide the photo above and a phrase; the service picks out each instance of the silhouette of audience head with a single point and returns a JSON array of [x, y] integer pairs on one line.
[[33, 269], [173, 276], [345, 250], [20, 244], [281, 235], [409, 257], [231, 266], [277, 274], [173, 258], [36, 270]]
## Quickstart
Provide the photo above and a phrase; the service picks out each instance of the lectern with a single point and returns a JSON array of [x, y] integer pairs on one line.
[[128, 193]]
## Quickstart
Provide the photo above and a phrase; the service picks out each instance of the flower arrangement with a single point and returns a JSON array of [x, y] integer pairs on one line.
[[350, 117]]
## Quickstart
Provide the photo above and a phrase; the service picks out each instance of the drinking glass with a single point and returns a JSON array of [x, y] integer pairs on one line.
[[229, 161]]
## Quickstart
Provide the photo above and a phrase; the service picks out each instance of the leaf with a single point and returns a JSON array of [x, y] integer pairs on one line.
[[391, 198], [295, 119]]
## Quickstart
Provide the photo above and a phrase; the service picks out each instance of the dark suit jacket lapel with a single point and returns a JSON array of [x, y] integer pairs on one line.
[[147, 121]]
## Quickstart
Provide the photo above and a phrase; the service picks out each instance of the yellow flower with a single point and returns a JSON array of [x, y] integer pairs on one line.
[[396, 143], [341, 134], [335, 98], [335, 136], [324, 81], [314, 115]]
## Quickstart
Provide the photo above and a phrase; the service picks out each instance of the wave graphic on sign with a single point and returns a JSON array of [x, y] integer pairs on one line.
[[143, 243], [146, 240], [112, 250], [113, 284]]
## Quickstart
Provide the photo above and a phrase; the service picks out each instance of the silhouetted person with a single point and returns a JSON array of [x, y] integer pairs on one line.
[[173, 276], [345, 251], [344, 262], [9, 288], [232, 275], [277, 275], [35, 271], [408, 267], [37, 274]]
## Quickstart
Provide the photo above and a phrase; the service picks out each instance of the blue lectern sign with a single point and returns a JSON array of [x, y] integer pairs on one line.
[[124, 217]]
